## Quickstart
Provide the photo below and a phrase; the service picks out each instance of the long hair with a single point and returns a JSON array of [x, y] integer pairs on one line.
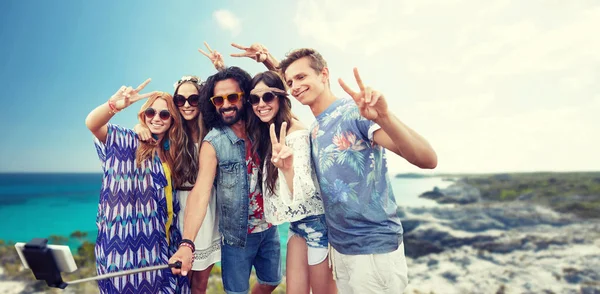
[[186, 159], [259, 130], [210, 115], [148, 150]]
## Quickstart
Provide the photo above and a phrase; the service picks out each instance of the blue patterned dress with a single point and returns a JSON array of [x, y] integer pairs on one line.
[[131, 219]]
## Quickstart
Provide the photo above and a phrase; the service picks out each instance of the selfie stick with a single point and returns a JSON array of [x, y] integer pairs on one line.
[[42, 262]]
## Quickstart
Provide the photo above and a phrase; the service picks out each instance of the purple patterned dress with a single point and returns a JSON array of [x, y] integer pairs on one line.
[[132, 213]]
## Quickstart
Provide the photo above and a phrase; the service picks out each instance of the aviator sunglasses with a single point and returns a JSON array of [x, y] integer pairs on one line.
[[180, 100], [269, 94], [163, 114], [233, 98]]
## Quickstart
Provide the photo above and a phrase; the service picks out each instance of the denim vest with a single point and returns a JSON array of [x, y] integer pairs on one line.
[[231, 184]]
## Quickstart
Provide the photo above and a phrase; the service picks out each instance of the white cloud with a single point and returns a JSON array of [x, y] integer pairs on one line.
[[228, 21], [314, 19], [499, 85]]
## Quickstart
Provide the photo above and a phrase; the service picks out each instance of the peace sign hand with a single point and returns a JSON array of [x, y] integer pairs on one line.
[[256, 52], [215, 57], [282, 156], [371, 103], [125, 96]]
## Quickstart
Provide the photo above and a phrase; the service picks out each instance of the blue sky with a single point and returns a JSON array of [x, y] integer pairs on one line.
[[494, 86]]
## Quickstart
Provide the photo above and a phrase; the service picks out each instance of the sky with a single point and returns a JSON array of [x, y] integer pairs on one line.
[[494, 86]]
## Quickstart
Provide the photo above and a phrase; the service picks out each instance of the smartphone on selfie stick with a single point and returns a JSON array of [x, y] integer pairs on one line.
[[47, 262]]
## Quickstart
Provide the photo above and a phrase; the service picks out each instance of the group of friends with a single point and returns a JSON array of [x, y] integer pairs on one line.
[[209, 173]]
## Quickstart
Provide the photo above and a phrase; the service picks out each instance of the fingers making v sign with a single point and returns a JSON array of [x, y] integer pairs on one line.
[[282, 156], [256, 52], [371, 103], [215, 57], [125, 96]]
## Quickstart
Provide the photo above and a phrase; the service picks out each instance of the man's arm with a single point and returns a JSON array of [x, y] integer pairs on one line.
[[271, 62], [394, 135], [402, 140]]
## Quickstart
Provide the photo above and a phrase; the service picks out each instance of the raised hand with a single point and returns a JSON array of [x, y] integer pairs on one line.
[[256, 52], [125, 96], [371, 103], [282, 155], [215, 57]]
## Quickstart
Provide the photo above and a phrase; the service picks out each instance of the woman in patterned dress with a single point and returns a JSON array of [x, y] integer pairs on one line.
[[208, 240], [137, 213], [290, 187]]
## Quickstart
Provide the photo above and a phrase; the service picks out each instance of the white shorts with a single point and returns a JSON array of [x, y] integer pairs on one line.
[[370, 273]]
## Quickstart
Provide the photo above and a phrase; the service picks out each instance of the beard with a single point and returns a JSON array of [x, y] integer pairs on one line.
[[230, 120]]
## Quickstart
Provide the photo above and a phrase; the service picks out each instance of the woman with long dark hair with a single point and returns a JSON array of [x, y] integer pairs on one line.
[[290, 188]]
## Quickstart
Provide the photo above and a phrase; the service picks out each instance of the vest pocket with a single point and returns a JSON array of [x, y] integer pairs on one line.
[[228, 174]]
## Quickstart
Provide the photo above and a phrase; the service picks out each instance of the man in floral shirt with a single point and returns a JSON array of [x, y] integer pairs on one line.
[[349, 138]]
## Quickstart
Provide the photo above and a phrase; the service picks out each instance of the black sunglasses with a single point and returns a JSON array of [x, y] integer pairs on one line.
[[233, 98], [266, 97], [180, 100], [163, 114]]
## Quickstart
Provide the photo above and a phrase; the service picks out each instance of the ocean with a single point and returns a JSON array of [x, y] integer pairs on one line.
[[40, 205]]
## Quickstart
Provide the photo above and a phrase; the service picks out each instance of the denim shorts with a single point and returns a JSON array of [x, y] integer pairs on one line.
[[262, 251], [313, 229]]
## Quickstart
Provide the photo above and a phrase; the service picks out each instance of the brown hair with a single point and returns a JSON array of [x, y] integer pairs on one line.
[[147, 150], [186, 159], [317, 62]]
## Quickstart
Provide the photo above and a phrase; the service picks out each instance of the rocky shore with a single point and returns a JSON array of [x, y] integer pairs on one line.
[[479, 246], [10, 287]]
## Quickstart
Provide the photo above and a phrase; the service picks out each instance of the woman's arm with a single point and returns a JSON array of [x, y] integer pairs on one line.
[[97, 119]]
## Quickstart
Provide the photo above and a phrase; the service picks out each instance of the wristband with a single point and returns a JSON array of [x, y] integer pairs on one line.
[[189, 244]]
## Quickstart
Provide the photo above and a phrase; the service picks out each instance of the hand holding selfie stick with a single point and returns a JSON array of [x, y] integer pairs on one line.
[[48, 261]]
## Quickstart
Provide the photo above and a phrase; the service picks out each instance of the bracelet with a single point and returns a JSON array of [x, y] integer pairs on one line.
[[113, 107], [188, 246], [188, 243]]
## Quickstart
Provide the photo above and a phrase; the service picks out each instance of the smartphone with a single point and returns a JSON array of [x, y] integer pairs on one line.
[[61, 253]]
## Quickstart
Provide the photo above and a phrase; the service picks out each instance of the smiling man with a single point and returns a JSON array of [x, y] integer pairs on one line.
[[348, 142], [226, 153]]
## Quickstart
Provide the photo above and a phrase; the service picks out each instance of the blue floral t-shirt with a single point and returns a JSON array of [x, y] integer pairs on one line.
[[360, 207]]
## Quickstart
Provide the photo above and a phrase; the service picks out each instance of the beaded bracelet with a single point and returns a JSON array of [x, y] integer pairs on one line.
[[188, 243]]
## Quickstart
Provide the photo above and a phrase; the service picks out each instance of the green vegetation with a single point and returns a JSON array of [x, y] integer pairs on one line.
[[86, 267], [576, 192]]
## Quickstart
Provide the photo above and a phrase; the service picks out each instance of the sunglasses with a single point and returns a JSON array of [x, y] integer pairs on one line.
[[268, 95], [180, 100], [233, 98], [163, 114]]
